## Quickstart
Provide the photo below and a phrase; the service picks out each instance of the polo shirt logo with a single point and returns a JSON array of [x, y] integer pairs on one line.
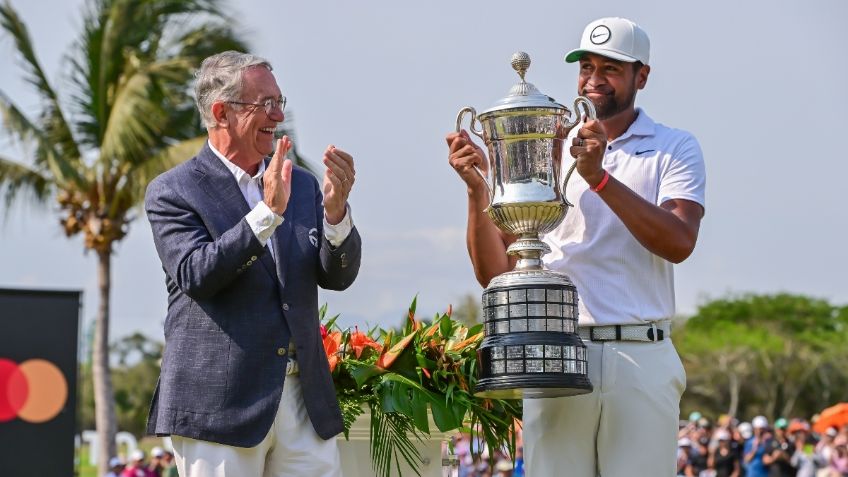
[[313, 237], [639, 153]]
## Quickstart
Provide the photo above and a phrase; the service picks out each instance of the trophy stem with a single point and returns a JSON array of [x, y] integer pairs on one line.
[[529, 249]]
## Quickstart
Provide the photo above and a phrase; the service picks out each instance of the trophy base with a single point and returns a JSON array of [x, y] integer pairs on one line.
[[531, 348], [520, 387]]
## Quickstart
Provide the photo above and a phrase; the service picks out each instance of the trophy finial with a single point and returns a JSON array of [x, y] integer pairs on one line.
[[520, 63]]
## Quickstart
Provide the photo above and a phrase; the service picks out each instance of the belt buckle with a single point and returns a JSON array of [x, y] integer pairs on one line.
[[655, 333]]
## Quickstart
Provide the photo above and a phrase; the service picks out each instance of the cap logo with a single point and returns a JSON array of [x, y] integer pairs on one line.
[[600, 35]]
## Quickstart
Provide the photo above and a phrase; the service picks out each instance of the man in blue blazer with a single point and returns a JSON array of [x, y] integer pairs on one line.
[[245, 388]]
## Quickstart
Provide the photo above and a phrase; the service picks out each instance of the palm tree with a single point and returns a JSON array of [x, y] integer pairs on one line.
[[128, 116]]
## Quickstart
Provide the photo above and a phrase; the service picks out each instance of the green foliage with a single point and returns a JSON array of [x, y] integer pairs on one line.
[[777, 355], [423, 368]]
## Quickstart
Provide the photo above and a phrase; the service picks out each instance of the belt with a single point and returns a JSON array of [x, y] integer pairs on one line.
[[292, 369], [654, 331], [291, 366]]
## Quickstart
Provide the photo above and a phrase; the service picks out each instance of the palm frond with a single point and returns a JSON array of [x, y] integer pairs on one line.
[[135, 121], [16, 177], [53, 120], [137, 176], [391, 442], [65, 171]]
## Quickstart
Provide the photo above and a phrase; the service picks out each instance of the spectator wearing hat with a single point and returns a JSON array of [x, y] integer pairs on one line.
[[779, 452], [723, 460], [825, 447], [805, 463], [169, 465], [684, 451], [116, 466], [156, 466], [755, 448], [136, 467]]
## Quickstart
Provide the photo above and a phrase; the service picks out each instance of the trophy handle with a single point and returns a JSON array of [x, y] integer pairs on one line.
[[469, 109], [589, 110]]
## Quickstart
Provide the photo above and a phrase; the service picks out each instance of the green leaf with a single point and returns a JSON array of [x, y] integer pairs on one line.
[[363, 372], [445, 328], [475, 329], [401, 399], [419, 412], [443, 416]]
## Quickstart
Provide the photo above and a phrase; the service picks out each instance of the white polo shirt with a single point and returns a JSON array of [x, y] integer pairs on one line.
[[619, 281]]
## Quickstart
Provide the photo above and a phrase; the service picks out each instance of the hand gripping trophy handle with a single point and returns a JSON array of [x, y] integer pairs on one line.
[[478, 133], [589, 109]]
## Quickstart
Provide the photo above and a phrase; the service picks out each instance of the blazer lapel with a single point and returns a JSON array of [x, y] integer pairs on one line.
[[221, 187]]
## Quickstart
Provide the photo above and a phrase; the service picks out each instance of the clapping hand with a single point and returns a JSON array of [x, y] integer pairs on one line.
[[338, 181]]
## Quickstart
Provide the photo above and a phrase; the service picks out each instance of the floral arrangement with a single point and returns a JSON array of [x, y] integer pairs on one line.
[[399, 376]]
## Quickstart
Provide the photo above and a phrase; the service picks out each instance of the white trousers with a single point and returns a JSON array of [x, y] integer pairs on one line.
[[627, 426], [291, 448]]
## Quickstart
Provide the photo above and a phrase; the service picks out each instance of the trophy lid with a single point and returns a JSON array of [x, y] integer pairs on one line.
[[523, 94]]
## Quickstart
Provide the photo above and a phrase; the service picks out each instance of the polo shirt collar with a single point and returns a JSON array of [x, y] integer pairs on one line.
[[642, 126]]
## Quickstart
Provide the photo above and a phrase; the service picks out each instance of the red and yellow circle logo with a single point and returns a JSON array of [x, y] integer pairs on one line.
[[34, 391]]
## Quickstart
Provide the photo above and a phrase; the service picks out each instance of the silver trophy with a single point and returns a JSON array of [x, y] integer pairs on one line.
[[531, 347]]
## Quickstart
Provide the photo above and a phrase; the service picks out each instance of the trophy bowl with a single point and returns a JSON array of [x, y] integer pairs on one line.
[[531, 348]]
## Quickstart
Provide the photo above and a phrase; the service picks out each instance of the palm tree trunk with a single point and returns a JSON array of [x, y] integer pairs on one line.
[[104, 401], [733, 384]]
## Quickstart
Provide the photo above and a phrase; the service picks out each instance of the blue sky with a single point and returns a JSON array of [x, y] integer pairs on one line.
[[761, 84]]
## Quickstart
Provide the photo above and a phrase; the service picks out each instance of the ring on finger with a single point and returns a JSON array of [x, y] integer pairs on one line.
[[580, 142]]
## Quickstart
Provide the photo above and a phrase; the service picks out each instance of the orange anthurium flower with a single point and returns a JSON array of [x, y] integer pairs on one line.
[[463, 344], [433, 329], [359, 341], [388, 356], [332, 343]]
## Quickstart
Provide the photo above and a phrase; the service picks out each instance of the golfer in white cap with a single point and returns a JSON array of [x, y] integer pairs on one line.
[[639, 199]]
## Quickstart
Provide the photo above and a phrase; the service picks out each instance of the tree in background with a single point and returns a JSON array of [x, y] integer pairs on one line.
[[128, 116], [777, 355]]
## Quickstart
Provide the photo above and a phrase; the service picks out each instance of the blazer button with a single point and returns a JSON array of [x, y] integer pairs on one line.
[[253, 258], [285, 307], [281, 351]]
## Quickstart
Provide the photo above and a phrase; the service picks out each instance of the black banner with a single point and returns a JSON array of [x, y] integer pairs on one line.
[[38, 377]]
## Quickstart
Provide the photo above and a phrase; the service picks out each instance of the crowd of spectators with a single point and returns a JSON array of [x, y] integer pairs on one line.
[[725, 447], [705, 448], [161, 464], [475, 460], [788, 448]]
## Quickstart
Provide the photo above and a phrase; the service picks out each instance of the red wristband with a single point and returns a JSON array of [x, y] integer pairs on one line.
[[603, 182]]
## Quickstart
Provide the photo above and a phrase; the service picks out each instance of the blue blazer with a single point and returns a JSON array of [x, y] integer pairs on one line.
[[232, 309]]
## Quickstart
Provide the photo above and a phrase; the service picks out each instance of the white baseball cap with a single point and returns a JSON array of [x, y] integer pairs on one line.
[[157, 452], [746, 430], [759, 422], [616, 38], [684, 442], [136, 455], [722, 435], [115, 462]]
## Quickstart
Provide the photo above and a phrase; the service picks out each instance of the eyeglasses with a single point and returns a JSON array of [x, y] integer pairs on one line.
[[268, 104]]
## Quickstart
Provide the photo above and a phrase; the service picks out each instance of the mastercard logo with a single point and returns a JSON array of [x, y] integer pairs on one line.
[[34, 391]]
